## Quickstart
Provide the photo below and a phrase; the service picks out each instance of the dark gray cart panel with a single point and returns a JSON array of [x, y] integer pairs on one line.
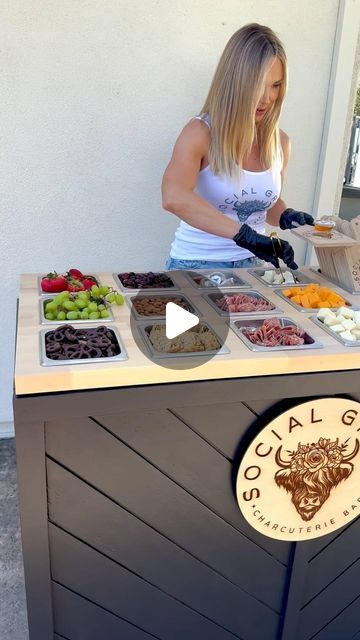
[[131, 529]]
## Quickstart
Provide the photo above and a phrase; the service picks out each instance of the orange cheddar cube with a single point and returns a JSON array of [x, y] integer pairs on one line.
[[305, 301]]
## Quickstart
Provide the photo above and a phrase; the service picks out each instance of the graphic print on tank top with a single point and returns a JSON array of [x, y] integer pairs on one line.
[[249, 211]]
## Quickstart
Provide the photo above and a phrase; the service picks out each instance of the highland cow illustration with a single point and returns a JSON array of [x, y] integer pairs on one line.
[[313, 471]]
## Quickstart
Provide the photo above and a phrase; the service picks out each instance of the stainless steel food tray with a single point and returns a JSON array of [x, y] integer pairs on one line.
[[47, 362], [204, 273], [239, 325], [146, 289], [43, 300], [129, 301], [346, 343], [259, 272], [212, 296], [143, 327], [336, 282], [46, 293], [311, 309]]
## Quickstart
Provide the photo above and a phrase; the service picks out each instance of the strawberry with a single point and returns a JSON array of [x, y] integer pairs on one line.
[[75, 273], [53, 283], [88, 282], [74, 285]]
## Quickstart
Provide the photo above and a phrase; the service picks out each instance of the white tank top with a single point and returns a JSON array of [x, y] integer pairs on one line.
[[244, 200]]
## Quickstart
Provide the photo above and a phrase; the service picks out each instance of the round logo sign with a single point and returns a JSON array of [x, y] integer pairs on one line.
[[300, 477]]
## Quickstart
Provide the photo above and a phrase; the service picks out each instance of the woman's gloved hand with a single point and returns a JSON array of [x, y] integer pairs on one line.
[[290, 216], [262, 247]]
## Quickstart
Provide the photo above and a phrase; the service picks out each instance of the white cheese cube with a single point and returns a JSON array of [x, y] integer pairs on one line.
[[356, 333], [337, 328], [346, 335], [289, 278], [341, 318], [348, 324], [278, 279], [322, 313], [269, 276], [330, 320], [346, 312], [356, 317]]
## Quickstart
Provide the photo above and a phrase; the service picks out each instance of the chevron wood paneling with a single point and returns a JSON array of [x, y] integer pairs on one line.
[[335, 558], [142, 489], [146, 539], [330, 602], [167, 443], [108, 584], [153, 557], [222, 427], [343, 625], [330, 597], [78, 619]]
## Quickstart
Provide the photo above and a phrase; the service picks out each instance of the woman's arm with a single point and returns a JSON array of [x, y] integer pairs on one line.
[[180, 179], [273, 214]]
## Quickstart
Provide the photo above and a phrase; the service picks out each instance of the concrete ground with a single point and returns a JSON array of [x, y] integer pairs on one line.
[[13, 621]]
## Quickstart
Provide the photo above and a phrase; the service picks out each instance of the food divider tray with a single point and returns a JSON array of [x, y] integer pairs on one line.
[[174, 287], [279, 292], [53, 323], [301, 277], [203, 276], [47, 293], [238, 327], [48, 362], [149, 318], [212, 297], [333, 334], [154, 353]]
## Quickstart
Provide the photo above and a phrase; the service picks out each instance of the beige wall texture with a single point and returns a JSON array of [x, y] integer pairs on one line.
[[93, 95]]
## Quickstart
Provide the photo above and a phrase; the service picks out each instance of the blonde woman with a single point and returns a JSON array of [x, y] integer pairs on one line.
[[228, 163]]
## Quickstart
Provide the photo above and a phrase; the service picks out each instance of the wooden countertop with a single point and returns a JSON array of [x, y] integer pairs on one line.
[[32, 378]]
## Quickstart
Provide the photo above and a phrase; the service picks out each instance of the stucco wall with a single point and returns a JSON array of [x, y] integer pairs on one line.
[[93, 96]]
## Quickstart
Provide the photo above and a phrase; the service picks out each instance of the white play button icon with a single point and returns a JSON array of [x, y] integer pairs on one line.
[[178, 320]]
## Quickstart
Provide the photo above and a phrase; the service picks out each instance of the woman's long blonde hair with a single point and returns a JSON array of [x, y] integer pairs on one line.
[[234, 95]]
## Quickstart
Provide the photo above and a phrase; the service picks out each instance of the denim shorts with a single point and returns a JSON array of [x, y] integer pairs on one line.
[[173, 263]]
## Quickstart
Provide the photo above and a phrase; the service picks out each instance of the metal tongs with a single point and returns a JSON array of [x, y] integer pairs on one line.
[[276, 243]]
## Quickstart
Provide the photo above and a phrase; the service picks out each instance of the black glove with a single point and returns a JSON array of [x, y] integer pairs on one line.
[[263, 247], [290, 215]]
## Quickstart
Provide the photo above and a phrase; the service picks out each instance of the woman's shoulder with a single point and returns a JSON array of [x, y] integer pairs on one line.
[[196, 133]]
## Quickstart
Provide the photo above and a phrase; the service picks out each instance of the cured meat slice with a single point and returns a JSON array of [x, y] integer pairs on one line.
[[272, 334], [243, 303]]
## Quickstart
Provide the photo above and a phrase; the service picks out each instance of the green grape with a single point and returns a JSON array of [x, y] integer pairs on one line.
[[101, 307], [50, 307], [104, 291], [84, 314], [80, 303], [69, 305], [104, 313], [83, 295], [94, 315], [95, 291], [60, 297], [119, 299], [49, 316], [110, 297], [61, 315], [92, 306], [72, 315]]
